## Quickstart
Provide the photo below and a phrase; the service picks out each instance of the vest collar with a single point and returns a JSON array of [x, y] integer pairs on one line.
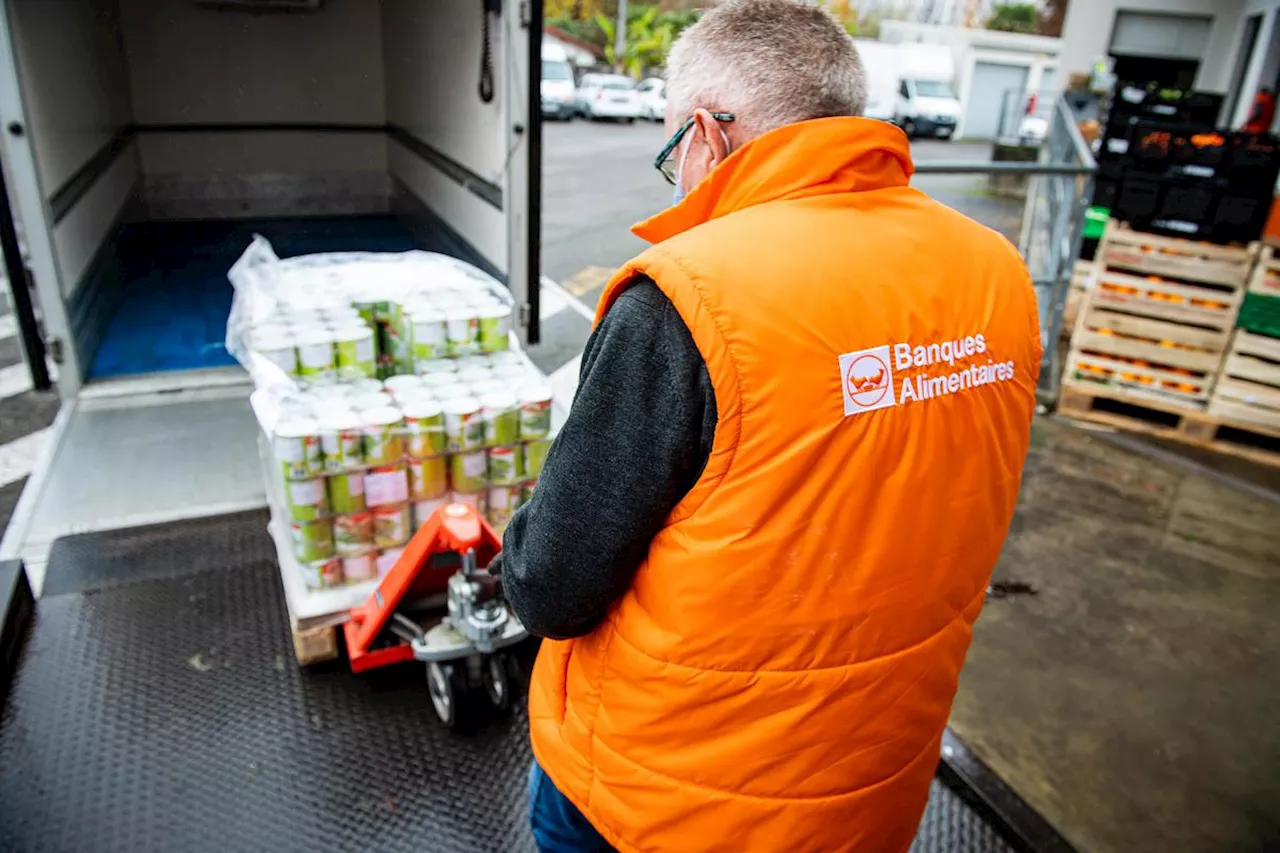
[[817, 157]]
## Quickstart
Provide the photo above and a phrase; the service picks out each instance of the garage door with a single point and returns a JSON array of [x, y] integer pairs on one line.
[[1170, 36], [987, 96]]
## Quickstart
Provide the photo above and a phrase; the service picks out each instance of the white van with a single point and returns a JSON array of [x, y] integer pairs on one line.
[[926, 100], [148, 141], [556, 86]]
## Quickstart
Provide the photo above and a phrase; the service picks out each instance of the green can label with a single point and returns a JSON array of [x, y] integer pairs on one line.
[[346, 492]]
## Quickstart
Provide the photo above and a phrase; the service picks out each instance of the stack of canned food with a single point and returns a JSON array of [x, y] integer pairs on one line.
[[368, 335], [366, 462]]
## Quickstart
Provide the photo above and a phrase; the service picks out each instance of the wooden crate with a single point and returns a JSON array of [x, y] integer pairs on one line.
[[1266, 273], [1081, 284], [1249, 389], [1143, 356], [1213, 307], [1173, 421], [1122, 248]]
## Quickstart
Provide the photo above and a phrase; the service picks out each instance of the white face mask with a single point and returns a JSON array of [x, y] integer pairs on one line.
[[678, 193]]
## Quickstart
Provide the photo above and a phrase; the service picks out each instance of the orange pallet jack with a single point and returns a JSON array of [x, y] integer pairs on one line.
[[464, 650]]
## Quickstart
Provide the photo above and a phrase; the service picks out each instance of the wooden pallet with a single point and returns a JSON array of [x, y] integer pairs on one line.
[[1249, 389], [1122, 248], [1266, 272], [315, 645], [1134, 412]]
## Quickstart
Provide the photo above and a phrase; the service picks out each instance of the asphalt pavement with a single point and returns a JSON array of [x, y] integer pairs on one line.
[[599, 179]]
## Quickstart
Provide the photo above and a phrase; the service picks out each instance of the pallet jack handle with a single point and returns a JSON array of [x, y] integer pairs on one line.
[[454, 528]]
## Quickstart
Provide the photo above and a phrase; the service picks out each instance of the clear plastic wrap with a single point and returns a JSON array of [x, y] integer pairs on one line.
[[386, 385]]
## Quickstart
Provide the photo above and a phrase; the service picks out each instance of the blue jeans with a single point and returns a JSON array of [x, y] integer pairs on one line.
[[558, 826]]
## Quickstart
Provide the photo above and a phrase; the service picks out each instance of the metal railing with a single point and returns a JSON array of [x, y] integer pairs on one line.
[[1060, 186]]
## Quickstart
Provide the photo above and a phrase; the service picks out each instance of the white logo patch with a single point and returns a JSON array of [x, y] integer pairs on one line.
[[867, 380]]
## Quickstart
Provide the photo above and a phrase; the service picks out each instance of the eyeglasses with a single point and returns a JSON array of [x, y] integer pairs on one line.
[[666, 159]]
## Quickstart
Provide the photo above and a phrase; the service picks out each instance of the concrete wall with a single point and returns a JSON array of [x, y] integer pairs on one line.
[[194, 65], [1086, 34]]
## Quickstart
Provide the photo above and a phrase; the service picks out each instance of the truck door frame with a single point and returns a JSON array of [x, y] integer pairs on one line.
[[524, 177], [33, 211]]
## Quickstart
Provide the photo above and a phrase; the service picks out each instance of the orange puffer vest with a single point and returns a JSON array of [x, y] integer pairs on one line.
[[780, 672]]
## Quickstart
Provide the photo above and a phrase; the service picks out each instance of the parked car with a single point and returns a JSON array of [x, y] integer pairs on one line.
[[608, 96], [558, 97], [653, 98]]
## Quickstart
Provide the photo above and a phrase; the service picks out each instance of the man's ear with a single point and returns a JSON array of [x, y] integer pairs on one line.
[[711, 134]]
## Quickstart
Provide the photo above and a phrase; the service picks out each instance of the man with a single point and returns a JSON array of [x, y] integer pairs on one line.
[[763, 535]]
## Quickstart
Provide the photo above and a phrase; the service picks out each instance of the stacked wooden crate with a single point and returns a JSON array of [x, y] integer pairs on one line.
[[1248, 390], [1153, 334]]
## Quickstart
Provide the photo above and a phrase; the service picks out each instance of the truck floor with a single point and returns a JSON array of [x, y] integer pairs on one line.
[[1132, 701], [172, 313], [157, 706]]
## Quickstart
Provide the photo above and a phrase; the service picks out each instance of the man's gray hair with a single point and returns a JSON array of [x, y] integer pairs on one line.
[[769, 62]]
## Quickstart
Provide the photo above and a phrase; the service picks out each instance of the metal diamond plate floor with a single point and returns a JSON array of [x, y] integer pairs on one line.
[[167, 714]]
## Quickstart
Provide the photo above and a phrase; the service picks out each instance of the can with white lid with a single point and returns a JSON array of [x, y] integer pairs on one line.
[[428, 478], [503, 500], [451, 390], [322, 574], [361, 387], [315, 352], [468, 471], [370, 400], [433, 381], [383, 441], [535, 410], [461, 330], [386, 485], [346, 492], [506, 464], [427, 330], [354, 350], [387, 559], [397, 385], [504, 358], [512, 373], [308, 500], [353, 534], [311, 540], [276, 346], [342, 439], [360, 567], [472, 374], [535, 456], [501, 413], [296, 442], [424, 425], [391, 525], [494, 327], [491, 386], [463, 424], [447, 366]]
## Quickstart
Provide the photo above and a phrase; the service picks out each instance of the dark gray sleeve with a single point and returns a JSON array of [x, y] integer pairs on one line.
[[636, 440]]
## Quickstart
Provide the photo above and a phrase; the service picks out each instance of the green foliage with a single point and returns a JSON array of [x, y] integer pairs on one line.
[[650, 34], [1015, 18]]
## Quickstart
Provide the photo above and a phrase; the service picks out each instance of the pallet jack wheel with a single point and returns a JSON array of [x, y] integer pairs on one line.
[[501, 681], [451, 696]]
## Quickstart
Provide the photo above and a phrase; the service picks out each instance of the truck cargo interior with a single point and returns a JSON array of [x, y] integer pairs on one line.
[[146, 143], [166, 134]]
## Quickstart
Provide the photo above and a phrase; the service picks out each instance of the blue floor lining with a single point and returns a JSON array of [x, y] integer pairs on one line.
[[173, 310]]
